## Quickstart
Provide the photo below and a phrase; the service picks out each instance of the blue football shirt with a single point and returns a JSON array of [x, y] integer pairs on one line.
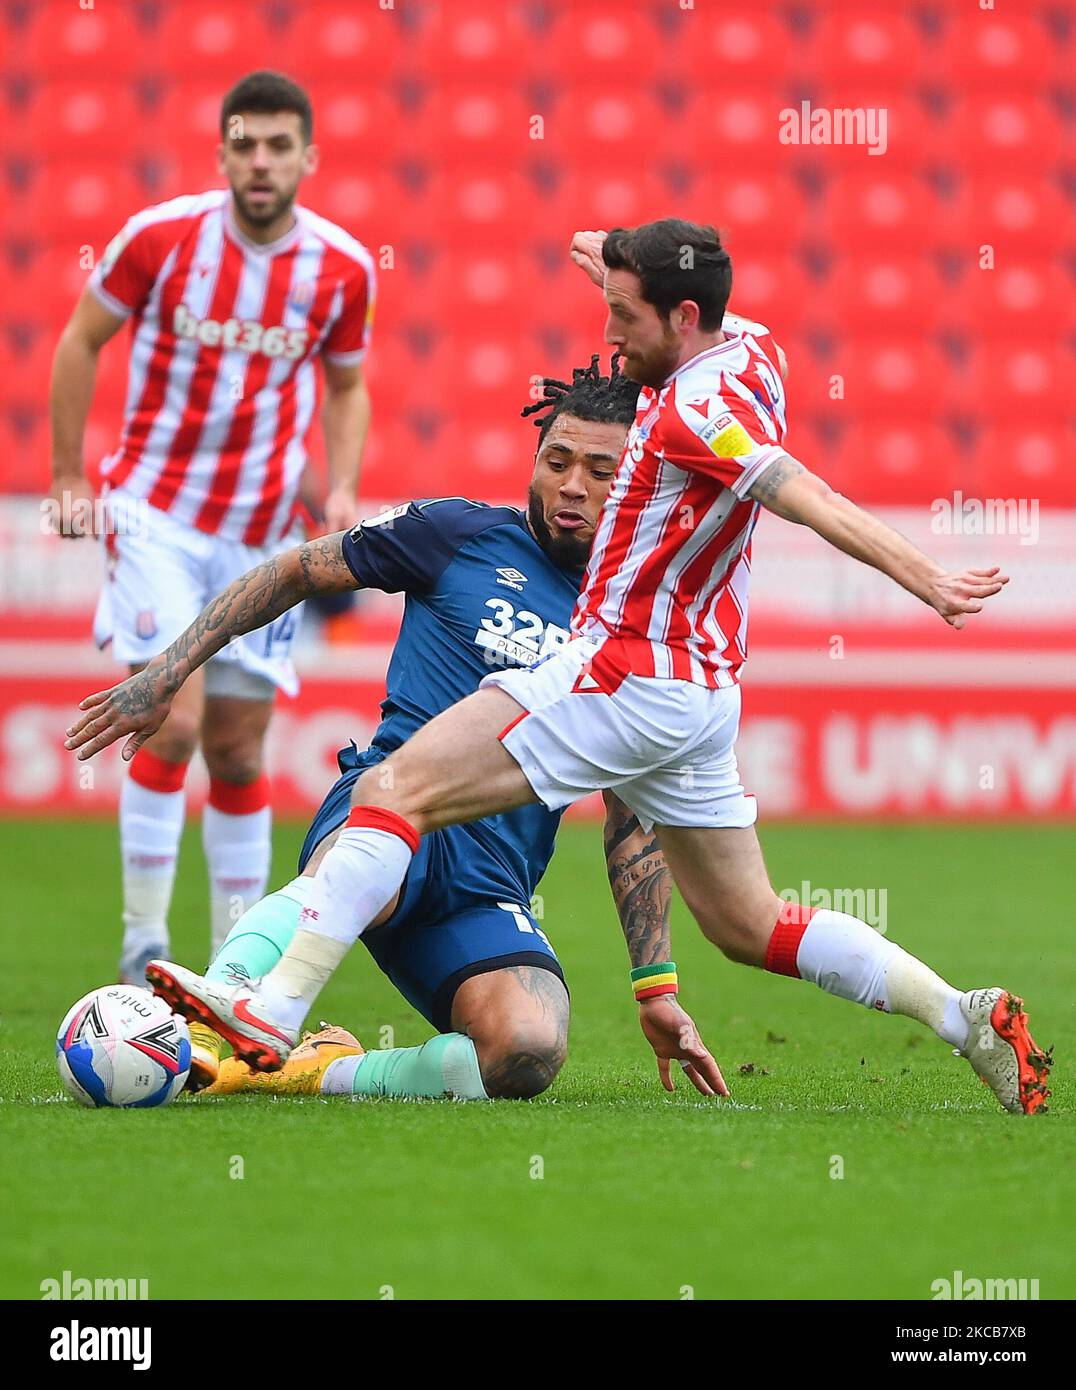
[[481, 594]]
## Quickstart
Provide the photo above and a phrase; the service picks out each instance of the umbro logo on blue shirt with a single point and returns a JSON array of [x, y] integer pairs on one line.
[[511, 578]]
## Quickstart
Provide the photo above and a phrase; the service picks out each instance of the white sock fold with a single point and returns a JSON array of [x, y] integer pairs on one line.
[[846, 957], [151, 823], [355, 881], [238, 849]]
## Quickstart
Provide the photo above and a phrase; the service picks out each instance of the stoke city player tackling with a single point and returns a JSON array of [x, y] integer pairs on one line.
[[645, 700], [484, 587]]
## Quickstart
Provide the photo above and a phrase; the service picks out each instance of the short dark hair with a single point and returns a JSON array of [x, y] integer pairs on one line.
[[675, 260], [588, 396], [267, 92]]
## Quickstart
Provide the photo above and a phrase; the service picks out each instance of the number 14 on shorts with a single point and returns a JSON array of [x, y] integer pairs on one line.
[[523, 922]]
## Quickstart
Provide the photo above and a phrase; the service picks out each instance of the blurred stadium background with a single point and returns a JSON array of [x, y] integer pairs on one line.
[[924, 295]]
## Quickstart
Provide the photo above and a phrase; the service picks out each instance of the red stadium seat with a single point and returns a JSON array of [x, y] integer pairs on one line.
[[606, 121], [747, 47], [595, 42], [773, 290], [1025, 382], [810, 382], [1002, 51], [484, 288], [11, 461], [462, 124], [396, 464], [188, 119], [1016, 213], [897, 124], [24, 384], [1033, 462], [1027, 297], [49, 286], [880, 208], [359, 121], [734, 132], [480, 42], [85, 119], [188, 169], [760, 211], [615, 196], [868, 46], [207, 38], [883, 293], [894, 376], [367, 200], [75, 205], [26, 448], [66, 41], [486, 206], [894, 462], [1014, 133], [337, 36], [561, 305]]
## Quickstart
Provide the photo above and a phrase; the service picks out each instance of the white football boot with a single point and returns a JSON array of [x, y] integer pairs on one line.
[[236, 1012], [1003, 1052]]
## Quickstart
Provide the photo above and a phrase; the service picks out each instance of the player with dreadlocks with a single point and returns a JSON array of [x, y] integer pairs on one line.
[[485, 586]]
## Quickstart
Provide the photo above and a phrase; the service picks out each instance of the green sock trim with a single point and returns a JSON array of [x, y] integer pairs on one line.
[[445, 1066], [261, 936]]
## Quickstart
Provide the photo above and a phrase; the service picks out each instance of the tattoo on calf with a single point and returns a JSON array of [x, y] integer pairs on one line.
[[529, 1069]]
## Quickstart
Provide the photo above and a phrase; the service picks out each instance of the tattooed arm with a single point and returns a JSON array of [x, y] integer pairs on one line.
[[788, 490], [642, 890], [138, 706], [641, 883]]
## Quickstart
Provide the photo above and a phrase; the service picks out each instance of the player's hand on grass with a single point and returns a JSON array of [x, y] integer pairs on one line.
[[956, 595], [586, 252], [137, 706], [672, 1034]]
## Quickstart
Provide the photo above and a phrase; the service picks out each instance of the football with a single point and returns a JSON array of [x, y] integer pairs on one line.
[[122, 1046]]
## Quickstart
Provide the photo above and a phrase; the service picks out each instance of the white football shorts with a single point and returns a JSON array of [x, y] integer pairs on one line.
[[160, 574], [666, 747]]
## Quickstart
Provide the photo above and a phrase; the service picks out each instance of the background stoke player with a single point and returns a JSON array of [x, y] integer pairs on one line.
[[231, 294]]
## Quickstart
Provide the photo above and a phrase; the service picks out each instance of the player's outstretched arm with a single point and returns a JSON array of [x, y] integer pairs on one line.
[[790, 491], [138, 706], [642, 890]]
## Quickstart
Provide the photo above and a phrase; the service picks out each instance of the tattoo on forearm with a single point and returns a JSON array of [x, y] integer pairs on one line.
[[641, 884], [253, 600], [767, 486]]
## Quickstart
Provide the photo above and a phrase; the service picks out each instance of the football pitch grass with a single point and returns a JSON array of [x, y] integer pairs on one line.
[[857, 1158]]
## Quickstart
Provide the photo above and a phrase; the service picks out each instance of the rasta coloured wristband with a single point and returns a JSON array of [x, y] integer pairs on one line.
[[648, 981]]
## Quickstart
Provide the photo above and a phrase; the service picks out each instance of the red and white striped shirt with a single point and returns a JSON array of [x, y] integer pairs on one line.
[[665, 592], [221, 384]]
